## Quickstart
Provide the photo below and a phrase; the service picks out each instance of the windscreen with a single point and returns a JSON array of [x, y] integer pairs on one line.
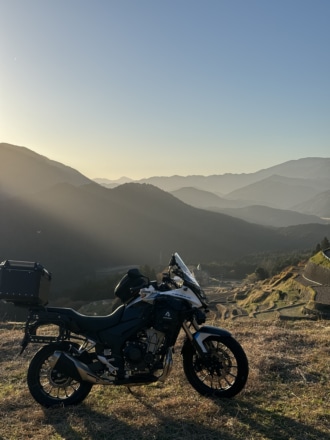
[[188, 275]]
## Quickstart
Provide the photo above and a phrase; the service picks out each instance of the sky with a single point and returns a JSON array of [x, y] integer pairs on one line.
[[141, 88]]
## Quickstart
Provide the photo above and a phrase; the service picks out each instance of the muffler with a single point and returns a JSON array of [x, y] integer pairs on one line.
[[69, 366], [167, 365]]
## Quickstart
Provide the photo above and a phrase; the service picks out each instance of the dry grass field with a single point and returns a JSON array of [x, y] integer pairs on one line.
[[287, 396]]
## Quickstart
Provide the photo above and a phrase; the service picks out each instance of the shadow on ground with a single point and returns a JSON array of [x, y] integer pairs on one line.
[[83, 422]]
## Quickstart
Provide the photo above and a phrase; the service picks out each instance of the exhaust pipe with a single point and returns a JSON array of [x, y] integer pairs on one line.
[[69, 366], [167, 365]]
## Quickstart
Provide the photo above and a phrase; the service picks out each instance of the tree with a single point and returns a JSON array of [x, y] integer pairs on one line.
[[317, 249], [261, 273], [325, 244]]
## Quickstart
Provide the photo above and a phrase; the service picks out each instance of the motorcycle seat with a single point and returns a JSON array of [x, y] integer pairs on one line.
[[86, 323]]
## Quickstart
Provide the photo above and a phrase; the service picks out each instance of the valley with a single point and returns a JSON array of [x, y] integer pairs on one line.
[[75, 227]]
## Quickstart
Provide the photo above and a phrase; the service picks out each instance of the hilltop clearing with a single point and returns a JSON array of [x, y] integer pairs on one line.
[[286, 397]]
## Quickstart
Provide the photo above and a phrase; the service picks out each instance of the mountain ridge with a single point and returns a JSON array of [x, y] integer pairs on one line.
[[74, 226], [30, 170], [287, 186], [232, 181]]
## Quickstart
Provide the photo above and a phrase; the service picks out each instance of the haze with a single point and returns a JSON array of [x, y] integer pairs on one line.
[[145, 88]]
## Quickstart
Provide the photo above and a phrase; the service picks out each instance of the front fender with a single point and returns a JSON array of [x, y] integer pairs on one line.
[[200, 336]]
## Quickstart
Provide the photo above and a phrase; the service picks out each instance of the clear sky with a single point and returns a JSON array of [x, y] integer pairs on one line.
[[140, 88]]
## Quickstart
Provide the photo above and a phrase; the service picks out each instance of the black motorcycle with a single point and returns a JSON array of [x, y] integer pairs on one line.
[[134, 344]]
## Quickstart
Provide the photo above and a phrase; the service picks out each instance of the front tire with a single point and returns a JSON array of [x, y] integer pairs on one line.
[[222, 372], [49, 387]]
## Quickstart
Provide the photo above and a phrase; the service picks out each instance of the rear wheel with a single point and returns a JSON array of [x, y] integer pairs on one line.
[[48, 386], [222, 372]]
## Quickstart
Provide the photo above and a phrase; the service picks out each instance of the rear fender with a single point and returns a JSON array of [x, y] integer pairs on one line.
[[200, 336]]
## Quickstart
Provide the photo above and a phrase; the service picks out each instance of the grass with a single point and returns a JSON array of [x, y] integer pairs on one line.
[[276, 296], [287, 396], [320, 259]]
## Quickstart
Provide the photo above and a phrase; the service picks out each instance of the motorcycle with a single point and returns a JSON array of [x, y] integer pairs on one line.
[[134, 344]]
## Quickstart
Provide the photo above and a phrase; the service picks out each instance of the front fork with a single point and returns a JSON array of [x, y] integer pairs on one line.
[[197, 339]]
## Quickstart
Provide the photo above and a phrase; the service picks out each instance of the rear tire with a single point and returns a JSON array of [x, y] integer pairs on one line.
[[49, 387], [223, 372]]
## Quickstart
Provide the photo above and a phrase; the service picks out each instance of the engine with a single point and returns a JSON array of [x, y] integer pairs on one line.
[[144, 354]]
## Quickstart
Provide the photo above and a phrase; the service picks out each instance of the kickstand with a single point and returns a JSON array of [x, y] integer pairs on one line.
[[130, 390]]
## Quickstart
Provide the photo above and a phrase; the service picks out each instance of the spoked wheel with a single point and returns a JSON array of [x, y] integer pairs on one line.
[[48, 386], [222, 372]]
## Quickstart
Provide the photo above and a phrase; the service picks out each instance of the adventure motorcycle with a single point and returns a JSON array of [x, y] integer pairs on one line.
[[134, 344]]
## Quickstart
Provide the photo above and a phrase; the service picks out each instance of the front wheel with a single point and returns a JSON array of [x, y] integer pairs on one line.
[[48, 386], [222, 372]]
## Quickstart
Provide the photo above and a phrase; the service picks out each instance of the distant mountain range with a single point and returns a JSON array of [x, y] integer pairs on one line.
[[312, 169], [53, 214], [298, 191]]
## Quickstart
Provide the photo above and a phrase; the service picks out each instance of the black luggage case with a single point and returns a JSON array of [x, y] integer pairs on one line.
[[24, 283]]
